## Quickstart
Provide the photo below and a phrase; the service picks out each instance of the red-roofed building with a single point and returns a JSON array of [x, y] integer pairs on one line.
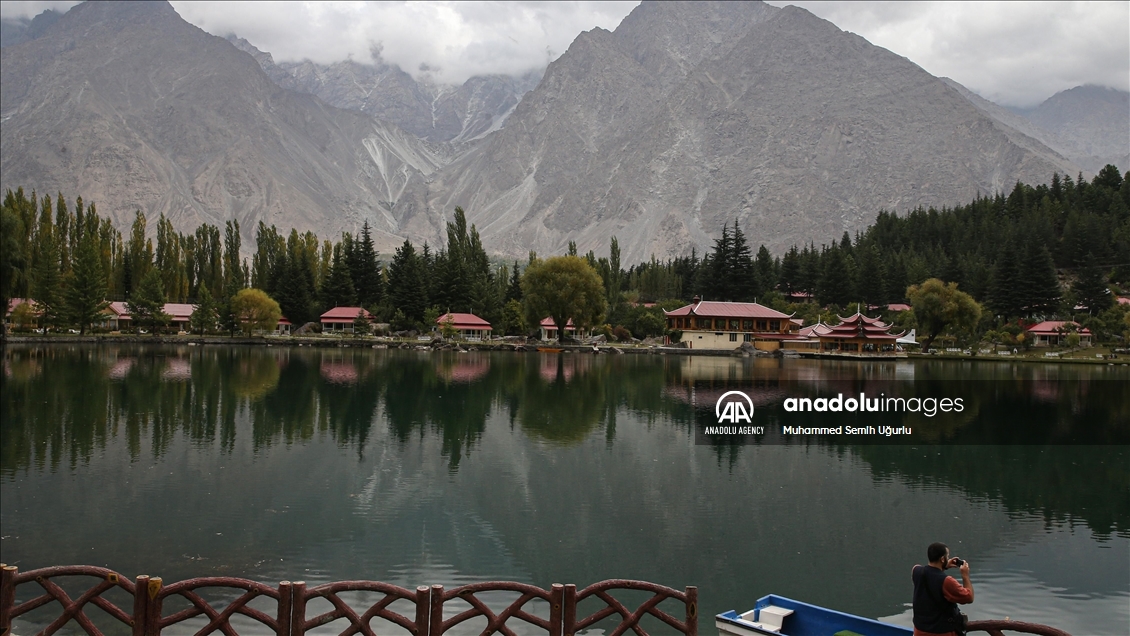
[[178, 314], [859, 335], [1054, 332], [340, 319], [724, 325], [34, 316], [468, 326], [284, 326], [547, 330]]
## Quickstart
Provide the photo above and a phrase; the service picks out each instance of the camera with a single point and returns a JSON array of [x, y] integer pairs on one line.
[[958, 562]]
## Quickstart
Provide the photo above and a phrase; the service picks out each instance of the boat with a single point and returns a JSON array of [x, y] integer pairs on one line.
[[781, 616]]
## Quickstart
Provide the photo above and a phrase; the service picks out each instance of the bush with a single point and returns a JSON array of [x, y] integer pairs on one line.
[[621, 333]]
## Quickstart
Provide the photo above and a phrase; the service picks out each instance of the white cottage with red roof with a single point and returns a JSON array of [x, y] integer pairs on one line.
[[340, 319], [1054, 332], [467, 326], [725, 325]]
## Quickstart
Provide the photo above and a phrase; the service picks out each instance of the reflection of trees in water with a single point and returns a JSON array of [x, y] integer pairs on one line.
[[1057, 482]]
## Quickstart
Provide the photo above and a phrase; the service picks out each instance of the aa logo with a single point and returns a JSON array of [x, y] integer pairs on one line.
[[739, 408]]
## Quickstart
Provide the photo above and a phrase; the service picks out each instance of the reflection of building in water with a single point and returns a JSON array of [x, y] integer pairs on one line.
[[569, 366], [121, 367], [177, 370], [467, 368], [724, 325], [338, 372]]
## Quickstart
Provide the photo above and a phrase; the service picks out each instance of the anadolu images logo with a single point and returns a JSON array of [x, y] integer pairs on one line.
[[734, 411]]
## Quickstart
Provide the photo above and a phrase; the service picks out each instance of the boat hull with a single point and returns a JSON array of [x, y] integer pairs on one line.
[[802, 619]]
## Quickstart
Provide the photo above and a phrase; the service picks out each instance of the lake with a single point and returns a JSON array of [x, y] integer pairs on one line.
[[419, 467]]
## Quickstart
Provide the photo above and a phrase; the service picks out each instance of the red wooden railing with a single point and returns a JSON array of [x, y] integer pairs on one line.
[[290, 601]]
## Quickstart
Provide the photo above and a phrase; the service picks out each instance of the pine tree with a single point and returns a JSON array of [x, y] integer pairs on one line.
[[514, 290], [406, 284], [766, 270], [835, 285], [203, 316], [1005, 296], [1090, 287], [86, 292], [790, 279], [338, 289], [367, 276], [146, 305], [740, 269], [870, 279], [1039, 285]]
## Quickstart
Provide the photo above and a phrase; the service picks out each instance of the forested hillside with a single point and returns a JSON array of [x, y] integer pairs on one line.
[[1051, 250]]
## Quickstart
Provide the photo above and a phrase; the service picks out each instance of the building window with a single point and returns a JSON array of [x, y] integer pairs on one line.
[[747, 325], [775, 325], [733, 325], [733, 337], [748, 337], [761, 326]]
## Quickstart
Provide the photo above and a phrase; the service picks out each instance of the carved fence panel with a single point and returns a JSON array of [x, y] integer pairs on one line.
[[288, 612]]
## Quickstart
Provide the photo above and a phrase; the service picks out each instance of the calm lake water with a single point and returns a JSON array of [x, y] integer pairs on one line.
[[421, 468]]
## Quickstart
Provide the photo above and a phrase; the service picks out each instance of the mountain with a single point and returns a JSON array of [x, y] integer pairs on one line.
[[427, 110], [130, 106], [18, 30], [1094, 123], [692, 115], [1089, 125]]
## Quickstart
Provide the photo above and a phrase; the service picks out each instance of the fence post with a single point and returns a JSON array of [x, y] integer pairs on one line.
[[140, 603], [570, 610], [153, 606], [556, 602], [298, 608], [7, 596], [283, 617], [435, 624], [423, 609], [692, 610]]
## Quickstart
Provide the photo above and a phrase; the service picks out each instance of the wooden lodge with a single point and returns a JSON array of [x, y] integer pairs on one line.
[[726, 325]]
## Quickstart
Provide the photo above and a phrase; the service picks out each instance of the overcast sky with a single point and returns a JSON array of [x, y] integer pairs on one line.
[[1014, 53]]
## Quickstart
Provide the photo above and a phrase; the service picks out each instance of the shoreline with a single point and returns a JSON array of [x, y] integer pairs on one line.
[[604, 348]]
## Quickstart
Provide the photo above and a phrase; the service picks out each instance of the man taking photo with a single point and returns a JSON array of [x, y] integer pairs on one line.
[[936, 596]]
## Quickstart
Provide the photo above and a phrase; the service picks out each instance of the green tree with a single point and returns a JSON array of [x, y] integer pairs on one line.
[[86, 289], [406, 284], [938, 306], [513, 322], [360, 323], [255, 310], [203, 316], [1090, 287], [11, 255], [338, 290], [563, 288], [147, 304], [514, 290]]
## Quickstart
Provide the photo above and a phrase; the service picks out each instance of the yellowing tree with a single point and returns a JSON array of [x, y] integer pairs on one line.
[[255, 310], [938, 306], [563, 288]]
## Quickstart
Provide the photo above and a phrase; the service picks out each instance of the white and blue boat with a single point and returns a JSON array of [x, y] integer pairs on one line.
[[779, 616]]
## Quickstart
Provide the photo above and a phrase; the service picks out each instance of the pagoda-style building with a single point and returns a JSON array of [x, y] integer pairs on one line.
[[859, 335]]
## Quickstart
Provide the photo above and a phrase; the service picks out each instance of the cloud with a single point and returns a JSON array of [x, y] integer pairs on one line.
[[445, 41], [16, 10], [1013, 53]]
